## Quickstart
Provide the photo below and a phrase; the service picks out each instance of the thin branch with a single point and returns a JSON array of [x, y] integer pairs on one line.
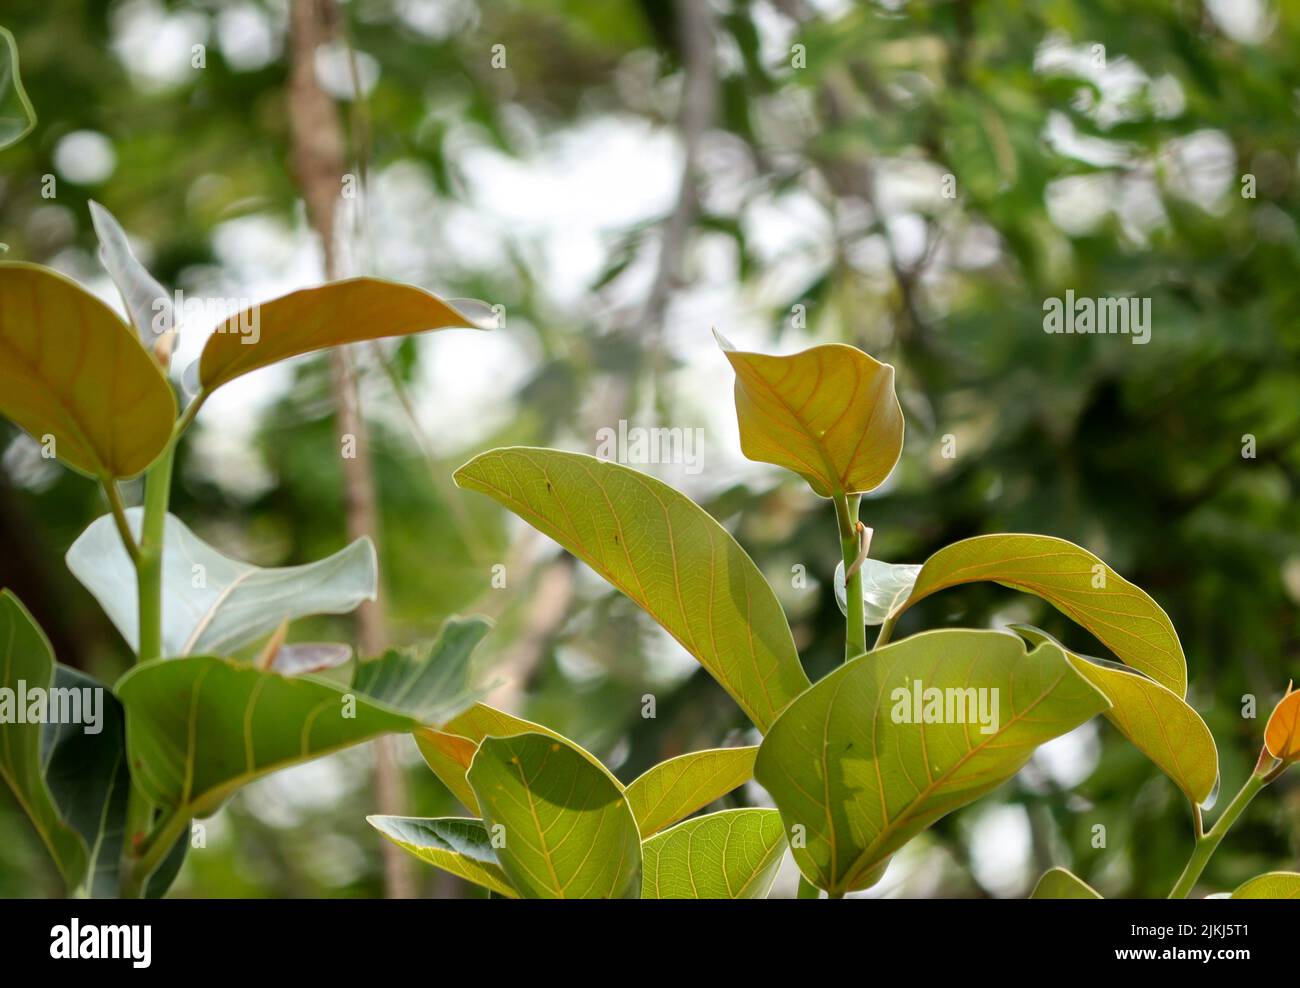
[[698, 108], [115, 504]]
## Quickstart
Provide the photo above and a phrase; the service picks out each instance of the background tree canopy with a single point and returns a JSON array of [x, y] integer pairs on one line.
[[916, 179]]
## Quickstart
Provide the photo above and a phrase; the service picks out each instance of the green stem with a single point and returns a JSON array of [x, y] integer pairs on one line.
[[1208, 842], [157, 494], [886, 630], [846, 513], [118, 509], [140, 837], [138, 868]]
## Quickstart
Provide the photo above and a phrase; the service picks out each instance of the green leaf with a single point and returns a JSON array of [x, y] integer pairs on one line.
[[732, 854], [1123, 617], [198, 728], [88, 777], [676, 788], [316, 318], [829, 414], [1273, 885], [27, 663], [852, 764], [882, 584], [213, 604], [70, 369], [454, 844], [1058, 883], [450, 751], [568, 831], [1160, 723], [431, 681], [663, 551], [17, 118], [148, 302]]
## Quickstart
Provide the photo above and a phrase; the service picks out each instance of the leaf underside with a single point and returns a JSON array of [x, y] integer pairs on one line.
[[665, 553], [568, 831], [731, 854], [851, 763]]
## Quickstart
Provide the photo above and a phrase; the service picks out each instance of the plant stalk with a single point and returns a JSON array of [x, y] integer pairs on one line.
[[846, 513], [157, 496], [1208, 842]]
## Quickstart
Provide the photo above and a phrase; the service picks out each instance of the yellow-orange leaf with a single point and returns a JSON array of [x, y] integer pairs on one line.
[[70, 369], [829, 414], [316, 318], [1282, 735]]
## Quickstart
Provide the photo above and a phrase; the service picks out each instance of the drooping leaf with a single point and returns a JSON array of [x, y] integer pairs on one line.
[[860, 763], [200, 727], [1123, 617], [212, 603], [1282, 733], [1058, 883], [732, 854], [676, 788], [70, 369], [27, 663], [1273, 885], [17, 118], [568, 831], [454, 844], [663, 551], [882, 584], [432, 681], [1162, 725], [450, 751], [316, 318], [828, 413], [147, 302]]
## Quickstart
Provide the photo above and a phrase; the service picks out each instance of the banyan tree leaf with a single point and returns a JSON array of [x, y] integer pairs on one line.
[[316, 318], [829, 413], [1058, 883], [893, 740], [200, 727], [1273, 885], [1160, 723], [17, 118], [1123, 617], [460, 846], [731, 854], [74, 375], [676, 788], [449, 751], [882, 584], [433, 680], [147, 302], [212, 603], [568, 832], [665, 553], [1282, 733], [27, 663]]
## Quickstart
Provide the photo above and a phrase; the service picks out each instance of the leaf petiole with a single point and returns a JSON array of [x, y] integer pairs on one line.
[[1208, 842], [846, 513]]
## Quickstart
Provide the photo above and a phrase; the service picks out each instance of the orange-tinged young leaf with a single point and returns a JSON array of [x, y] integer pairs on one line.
[[71, 370], [829, 414], [317, 318], [1282, 735]]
